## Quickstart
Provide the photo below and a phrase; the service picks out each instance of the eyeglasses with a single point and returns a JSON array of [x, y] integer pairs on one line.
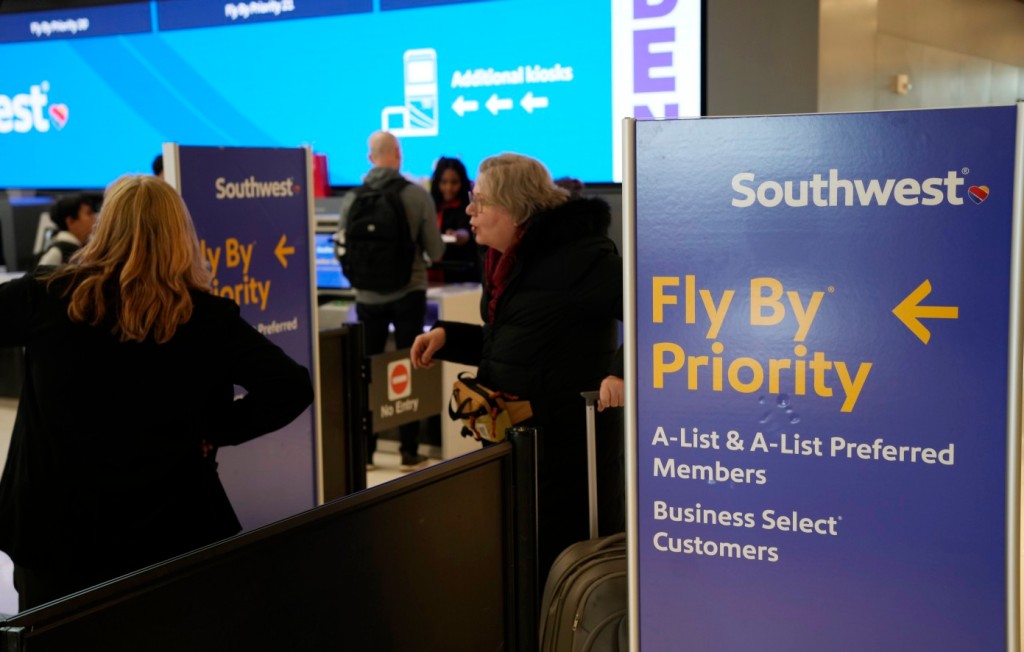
[[476, 201]]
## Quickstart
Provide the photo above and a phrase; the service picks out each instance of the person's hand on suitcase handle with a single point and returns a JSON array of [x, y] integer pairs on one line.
[[612, 393], [425, 346]]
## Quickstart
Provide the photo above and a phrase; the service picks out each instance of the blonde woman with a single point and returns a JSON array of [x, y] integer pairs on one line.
[[131, 365], [552, 297]]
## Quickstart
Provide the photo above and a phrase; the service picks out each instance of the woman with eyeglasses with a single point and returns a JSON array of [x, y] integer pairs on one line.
[[131, 368], [552, 300]]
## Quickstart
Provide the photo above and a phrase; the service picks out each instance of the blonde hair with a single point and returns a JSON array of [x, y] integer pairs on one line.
[[136, 272], [521, 185]]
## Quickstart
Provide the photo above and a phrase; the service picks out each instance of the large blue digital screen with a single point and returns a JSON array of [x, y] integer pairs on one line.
[[97, 90]]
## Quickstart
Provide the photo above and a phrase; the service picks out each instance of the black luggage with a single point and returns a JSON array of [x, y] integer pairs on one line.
[[585, 603]]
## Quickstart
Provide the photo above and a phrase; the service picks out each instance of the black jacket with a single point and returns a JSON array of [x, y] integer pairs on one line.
[[554, 334], [105, 469], [461, 263]]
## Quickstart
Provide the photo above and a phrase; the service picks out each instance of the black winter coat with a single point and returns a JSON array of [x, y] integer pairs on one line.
[[105, 472], [554, 335]]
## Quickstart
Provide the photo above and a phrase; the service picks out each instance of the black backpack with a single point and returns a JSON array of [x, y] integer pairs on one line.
[[378, 250], [66, 249]]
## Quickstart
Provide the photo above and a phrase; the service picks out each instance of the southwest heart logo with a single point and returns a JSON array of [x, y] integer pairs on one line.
[[59, 113], [978, 194]]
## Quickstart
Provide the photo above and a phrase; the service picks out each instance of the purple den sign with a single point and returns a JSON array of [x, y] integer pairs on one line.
[[824, 344], [252, 211]]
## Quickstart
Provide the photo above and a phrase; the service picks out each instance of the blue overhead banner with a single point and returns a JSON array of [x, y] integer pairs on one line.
[[826, 361], [456, 78], [251, 207], [76, 23]]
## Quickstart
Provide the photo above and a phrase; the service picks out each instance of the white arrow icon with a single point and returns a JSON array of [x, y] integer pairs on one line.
[[495, 103], [529, 102], [463, 106]]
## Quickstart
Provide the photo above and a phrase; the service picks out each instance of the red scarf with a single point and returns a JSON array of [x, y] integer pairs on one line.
[[437, 275], [497, 268], [455, 203]]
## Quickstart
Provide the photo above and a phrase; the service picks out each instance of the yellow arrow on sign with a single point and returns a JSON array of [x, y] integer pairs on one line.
[[910, 312], [281, 251]]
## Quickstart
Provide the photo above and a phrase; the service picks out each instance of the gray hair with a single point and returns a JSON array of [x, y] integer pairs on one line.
[[521, 185]]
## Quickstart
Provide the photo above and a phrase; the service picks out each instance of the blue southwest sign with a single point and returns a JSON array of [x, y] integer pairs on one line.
[[251, 207], [827, 381]]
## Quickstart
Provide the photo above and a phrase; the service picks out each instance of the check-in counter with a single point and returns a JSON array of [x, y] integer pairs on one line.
[[459, 302]]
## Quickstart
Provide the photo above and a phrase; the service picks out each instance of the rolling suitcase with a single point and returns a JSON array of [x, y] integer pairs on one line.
[[585, 601]]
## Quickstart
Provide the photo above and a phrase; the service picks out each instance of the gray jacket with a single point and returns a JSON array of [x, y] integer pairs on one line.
[[422, 217]]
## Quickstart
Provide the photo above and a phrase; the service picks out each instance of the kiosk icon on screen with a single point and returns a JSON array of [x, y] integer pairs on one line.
[[418, 116]]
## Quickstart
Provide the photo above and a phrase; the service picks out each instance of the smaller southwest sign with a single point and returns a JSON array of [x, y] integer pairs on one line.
[[399, 394], [399, 380]]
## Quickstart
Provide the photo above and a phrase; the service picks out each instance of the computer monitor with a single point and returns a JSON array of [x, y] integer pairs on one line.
[[23, 225], [329, 277]]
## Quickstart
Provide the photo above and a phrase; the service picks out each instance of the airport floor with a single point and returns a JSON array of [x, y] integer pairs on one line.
[[8, 597], [386, 464]]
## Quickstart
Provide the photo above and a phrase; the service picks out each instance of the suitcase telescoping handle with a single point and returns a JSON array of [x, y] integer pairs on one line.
[[591, 398]]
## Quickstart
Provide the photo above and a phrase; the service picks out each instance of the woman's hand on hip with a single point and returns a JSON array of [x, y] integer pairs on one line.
[[612, 393]]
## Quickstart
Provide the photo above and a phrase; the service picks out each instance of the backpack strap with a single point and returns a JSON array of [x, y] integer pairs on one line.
[[458, 404], [397, 184], [459, 410], [66, 249], [394, 185], [471, 401]]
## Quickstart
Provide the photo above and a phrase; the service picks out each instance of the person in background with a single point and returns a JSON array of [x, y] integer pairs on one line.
[[75, 217], [552, 299], [571, 184], [158, 166], [131, 367], [405, 308], [449, 187]]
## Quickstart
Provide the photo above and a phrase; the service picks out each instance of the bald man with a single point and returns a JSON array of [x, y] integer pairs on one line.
[[406, 308], [385, 150]]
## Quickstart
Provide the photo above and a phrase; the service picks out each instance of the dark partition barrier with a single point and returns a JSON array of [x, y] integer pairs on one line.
[[527, 584], [343, 410], [437, 560], [19, 231]]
